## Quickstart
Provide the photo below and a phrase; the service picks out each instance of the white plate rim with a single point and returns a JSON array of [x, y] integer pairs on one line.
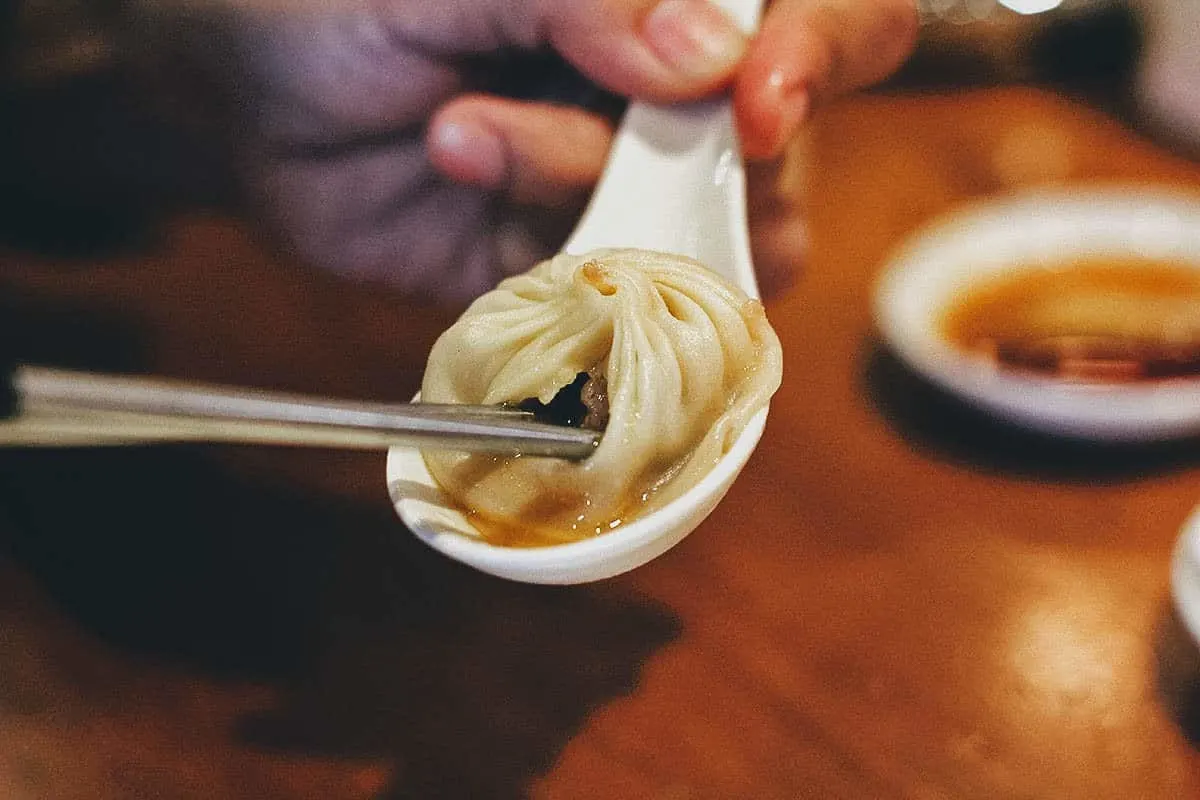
[[1185, 574]]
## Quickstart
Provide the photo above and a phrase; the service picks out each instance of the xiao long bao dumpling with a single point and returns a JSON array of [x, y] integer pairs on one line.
[[656, 350]]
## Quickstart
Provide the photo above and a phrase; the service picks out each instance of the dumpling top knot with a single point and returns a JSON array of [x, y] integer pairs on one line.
[[595, 275]]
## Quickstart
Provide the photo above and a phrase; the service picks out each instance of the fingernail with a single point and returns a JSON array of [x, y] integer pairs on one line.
[[694, 37], [787, 102], [793, 110], [477, 154]]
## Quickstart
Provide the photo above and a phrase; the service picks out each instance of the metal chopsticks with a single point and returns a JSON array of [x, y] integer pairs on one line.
[[57, 407]]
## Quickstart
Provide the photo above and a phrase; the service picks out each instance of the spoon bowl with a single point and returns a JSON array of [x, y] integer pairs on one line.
[[444, 527], [675, 183]]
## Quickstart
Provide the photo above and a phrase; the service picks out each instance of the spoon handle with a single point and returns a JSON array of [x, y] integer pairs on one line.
[[675, 183]]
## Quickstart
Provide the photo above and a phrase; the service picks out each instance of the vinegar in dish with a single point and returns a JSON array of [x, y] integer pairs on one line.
[[1094, 320]]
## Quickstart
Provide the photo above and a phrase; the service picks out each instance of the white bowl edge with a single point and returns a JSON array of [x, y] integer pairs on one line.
[[992, 236], [1185, 575]]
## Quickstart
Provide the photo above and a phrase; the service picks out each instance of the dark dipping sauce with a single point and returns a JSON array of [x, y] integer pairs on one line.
[[1095, 320]]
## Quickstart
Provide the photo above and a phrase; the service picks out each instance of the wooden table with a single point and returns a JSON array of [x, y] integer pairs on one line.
[[897, 600]]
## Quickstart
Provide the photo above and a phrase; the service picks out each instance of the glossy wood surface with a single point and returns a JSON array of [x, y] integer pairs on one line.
[[898, 599]]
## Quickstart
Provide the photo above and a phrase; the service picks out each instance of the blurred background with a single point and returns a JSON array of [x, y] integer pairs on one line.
[[87, 162]]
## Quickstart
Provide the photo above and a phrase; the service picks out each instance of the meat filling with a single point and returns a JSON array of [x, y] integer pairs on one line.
[[583, 404], [594, 396]]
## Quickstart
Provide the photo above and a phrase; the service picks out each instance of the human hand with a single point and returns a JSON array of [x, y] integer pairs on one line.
[[378, 157]]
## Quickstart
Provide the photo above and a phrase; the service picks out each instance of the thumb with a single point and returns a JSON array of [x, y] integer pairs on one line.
[[662, 50]]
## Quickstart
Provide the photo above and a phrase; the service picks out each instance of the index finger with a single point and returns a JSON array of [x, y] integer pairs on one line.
[[807, 50]]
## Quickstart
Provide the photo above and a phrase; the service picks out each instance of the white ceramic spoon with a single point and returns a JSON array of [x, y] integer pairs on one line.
[[674, 183]]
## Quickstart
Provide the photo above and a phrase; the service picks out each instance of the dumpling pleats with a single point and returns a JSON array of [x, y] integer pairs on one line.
[[688, 360]]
